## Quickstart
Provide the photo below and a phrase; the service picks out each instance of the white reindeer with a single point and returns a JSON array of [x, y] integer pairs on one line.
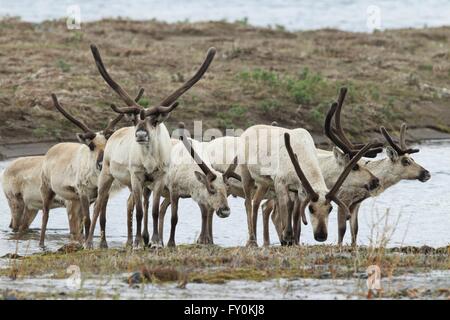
[[70, 170], [397, 166], [21, 181], [207, 188], [138, 156]]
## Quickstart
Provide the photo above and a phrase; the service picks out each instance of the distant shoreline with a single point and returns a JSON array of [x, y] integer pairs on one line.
[[24, 149]]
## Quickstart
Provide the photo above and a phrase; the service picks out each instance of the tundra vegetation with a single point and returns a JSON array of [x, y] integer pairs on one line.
[[261, 75]]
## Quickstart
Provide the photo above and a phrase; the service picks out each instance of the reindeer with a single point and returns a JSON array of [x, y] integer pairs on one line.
[[70, 170], [21, 182], [138, 156], [282, 179], [397, 166], [208, 188]]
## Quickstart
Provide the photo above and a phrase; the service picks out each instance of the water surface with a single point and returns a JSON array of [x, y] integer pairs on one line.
[[419, 214]]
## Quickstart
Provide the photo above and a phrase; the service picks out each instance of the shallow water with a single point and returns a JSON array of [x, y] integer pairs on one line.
[[419, 214], [352, 15], [426, 285]]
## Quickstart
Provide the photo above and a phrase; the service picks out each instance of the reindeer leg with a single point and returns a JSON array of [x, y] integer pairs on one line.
[[130, 208], [105, 181], [47, 198], [342, 226], [277, 221], [285, 214], [209, 236], [267, 208], [257, 198], [297, 225], [202, 237], [103, 243], [162, 214], [174, 220], [354, 224], [248, 184], [145, 235], [137, 187], [156, 241], [73, 215], [84, 203]]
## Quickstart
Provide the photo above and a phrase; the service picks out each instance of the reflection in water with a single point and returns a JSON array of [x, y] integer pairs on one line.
[[420, 211]]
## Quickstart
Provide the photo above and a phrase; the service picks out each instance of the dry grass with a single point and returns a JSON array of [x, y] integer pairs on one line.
[[213, 264], [259, 75]]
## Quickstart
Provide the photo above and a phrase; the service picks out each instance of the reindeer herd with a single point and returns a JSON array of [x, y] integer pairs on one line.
[[275, 168]]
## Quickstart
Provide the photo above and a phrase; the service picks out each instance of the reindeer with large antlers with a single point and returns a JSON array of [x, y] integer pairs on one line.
[[267, 164], [70, 170], [397, 166], [138, 156]]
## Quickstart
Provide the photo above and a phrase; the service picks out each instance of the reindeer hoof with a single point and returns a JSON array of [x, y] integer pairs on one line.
[[103, 244], [146, 238], [171, 244], [252, 243], [88, 245]]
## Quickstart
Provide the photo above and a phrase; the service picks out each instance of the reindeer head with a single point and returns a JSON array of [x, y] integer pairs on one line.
[[96, 141], [360, 176], [403, 165], [319, 201], [147, 120], [215, 185]]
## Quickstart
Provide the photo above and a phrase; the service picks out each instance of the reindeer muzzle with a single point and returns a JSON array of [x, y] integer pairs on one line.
[[223, 212], [374, 184], [141, 136], [424, 176]]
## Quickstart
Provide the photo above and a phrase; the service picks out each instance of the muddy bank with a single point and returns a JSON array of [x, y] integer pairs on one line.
[[202, 272], [14, 150], [259, 75]]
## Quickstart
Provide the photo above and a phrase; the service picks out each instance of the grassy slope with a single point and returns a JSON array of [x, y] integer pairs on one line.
[[259, 75]]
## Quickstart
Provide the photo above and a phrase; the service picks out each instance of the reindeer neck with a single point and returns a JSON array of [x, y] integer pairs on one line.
[[383, 170]]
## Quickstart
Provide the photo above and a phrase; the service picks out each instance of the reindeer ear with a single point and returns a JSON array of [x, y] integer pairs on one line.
[[341, 157], [87, 141], [392, 154], [200, 177]]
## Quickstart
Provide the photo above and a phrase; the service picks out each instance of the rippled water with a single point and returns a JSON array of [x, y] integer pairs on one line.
[[350, 15], [420, 212]]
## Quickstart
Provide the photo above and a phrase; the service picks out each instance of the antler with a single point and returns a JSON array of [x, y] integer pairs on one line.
[[88, 133], [210, 176], [354, 148], [133, 106], [402, 148], [332, 193], [230, 173], [109, 130], [168, 103], [305, 183]]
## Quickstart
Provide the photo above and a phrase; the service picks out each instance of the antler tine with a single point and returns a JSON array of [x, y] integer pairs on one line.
[[114, 85], [112, 123], [337, 118], [332, 193], [230, 173], [391, 142], [76, 122], [330, 133], [196, 157], [403, 136], [339, 132], [160, 109], [305, 183], [192, 81]]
